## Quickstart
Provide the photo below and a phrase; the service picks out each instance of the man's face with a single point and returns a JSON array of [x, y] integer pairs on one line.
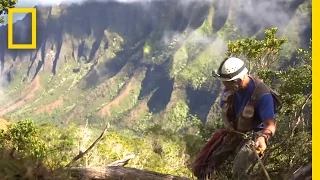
[[232, 85]]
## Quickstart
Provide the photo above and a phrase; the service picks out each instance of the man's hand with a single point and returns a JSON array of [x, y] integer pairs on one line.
[[261, 144], [268, 131]]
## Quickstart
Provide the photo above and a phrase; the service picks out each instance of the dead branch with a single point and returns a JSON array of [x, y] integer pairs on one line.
[[81, 154], [300, 112], [113, 171], [119, 173], [302, 173], [122, 162]]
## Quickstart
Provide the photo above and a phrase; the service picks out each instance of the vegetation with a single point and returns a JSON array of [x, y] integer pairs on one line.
[[121, 84], [168, 149]]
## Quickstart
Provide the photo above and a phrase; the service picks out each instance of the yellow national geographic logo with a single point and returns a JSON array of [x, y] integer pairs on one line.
[[33, 44]]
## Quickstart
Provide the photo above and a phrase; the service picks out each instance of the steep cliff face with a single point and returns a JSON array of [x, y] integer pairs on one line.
[[123, 61]]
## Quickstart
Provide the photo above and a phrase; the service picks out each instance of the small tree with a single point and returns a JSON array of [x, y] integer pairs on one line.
[[260, 54], [4, 6]]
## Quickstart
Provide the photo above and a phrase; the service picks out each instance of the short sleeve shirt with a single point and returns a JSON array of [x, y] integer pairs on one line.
[[264, 109]]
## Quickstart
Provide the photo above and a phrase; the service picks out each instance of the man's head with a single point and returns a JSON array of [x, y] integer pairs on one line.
[[233, 73]]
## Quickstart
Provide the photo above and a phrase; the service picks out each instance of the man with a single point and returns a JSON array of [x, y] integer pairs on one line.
[[248, 106]]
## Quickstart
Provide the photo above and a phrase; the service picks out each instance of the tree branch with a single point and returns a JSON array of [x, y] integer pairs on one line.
[[300, 112], [122, 162], [302, 172], [81, 154]]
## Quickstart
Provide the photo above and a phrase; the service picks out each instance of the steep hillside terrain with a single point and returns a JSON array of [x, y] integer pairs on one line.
[[134, 64]]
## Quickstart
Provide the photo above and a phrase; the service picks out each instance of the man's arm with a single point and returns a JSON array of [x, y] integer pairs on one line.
[[267, 115], [269, 128], [266, 112]]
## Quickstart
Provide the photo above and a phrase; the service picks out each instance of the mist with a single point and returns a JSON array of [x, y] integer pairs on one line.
[[250, 14], [250, 17]]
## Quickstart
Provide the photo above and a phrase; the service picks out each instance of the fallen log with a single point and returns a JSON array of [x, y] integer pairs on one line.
[[118, 173]]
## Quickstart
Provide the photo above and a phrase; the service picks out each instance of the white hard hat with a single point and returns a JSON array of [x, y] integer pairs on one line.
[[230, 69]]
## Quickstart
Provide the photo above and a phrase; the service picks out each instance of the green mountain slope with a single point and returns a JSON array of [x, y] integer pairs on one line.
[[133, 65]]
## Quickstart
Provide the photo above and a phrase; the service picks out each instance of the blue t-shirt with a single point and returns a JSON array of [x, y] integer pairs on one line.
[[264, 109]]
